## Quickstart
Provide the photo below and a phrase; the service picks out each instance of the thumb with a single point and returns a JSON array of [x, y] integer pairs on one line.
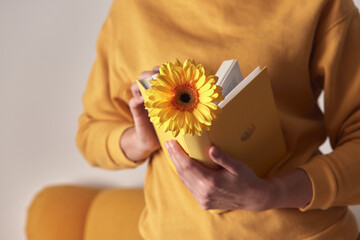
[[223, 160], [139, 113], [136, 105]]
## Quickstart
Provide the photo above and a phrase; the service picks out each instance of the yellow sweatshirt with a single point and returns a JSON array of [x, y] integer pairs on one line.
[[308, 46]]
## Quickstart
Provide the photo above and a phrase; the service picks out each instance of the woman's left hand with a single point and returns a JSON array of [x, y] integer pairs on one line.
[[233, 185]]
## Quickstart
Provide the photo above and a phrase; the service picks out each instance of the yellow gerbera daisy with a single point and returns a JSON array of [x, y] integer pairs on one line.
[[181, 98]]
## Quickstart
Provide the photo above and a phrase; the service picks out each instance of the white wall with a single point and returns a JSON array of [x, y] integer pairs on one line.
[[47, 49], [46, 52]]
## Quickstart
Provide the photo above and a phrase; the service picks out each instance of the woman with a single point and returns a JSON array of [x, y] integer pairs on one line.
[[308, 46]]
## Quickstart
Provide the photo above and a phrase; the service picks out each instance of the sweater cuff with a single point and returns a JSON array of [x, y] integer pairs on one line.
[[323, 180], [115, 151]]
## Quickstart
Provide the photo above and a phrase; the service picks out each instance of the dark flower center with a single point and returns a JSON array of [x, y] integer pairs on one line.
[[185, 97]]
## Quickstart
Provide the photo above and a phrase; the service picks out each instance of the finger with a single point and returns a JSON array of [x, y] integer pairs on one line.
[[191, 173], [140, 114], [183, 162], [135, 90], [156, 69], [146, 74], [223, 160], [180, 158]]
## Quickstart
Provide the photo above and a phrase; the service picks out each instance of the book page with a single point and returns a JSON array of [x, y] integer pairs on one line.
[[229, 76], [239, 87], [145, 82]]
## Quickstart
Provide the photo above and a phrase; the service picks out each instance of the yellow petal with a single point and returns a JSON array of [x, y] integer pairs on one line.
[[154, 112], [186, 128], [154, 120], [208, 72], [162, 89], [201, 82], [161, 104], [213, 115], [152, 97], [208, 93], [200, 67], [148, 104], [197, 126], [165, 125], [205, 87], [198, 116], [181, 119], [197, 74], [207, 123], [189, 72], [187, 117], [161, 96], [218, 89], [217, 97], [163, 70], [183, 131], [162, 80], [176, 132], [205, 99], [198, 133], [207, 128], [203, 109], [211, 105], [177, 62], [212, 79], [164, 115], [187, 63]]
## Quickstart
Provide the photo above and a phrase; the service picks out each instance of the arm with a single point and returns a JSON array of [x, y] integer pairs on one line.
[[110, 112], [336, 65], [140, 141]]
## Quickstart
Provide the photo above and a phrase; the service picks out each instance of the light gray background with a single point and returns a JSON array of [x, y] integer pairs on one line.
[[46, 52]]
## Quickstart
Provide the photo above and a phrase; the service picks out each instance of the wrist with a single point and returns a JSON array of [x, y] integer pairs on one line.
[[142, 151], [276, 193], [270, 192], [291, 190], [131, 147]]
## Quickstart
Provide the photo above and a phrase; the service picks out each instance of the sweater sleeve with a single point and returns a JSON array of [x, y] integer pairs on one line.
[[106, 113], [336, 65]]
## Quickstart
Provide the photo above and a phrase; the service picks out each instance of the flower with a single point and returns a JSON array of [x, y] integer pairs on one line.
[[182, 98]]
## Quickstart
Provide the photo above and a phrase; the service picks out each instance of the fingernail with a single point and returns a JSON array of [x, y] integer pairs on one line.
[[166, 144], [171, 143]]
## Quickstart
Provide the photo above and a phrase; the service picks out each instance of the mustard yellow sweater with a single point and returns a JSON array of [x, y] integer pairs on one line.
[[308, 46]]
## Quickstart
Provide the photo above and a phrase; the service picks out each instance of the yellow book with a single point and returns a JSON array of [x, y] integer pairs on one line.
[[247, 128]]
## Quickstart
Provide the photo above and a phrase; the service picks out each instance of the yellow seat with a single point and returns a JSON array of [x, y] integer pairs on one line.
[[83, 213]]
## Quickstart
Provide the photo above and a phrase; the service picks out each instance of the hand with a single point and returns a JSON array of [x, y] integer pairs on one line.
[[234, 185], [140, 141]]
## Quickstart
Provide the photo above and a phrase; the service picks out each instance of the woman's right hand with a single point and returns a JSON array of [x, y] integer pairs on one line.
[[139, 141]]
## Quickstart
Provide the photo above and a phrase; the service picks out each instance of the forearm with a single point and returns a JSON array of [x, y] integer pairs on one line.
[[131, 147], [291, 190]]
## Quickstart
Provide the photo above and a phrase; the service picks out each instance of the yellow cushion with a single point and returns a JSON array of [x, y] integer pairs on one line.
[[114, 214], [59, 213]]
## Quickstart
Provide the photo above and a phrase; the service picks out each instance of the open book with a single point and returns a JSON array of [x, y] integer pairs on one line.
[[247, 128]]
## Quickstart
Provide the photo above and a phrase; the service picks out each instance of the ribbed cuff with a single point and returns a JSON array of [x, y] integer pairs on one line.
[[323, 180], [115, 151]]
